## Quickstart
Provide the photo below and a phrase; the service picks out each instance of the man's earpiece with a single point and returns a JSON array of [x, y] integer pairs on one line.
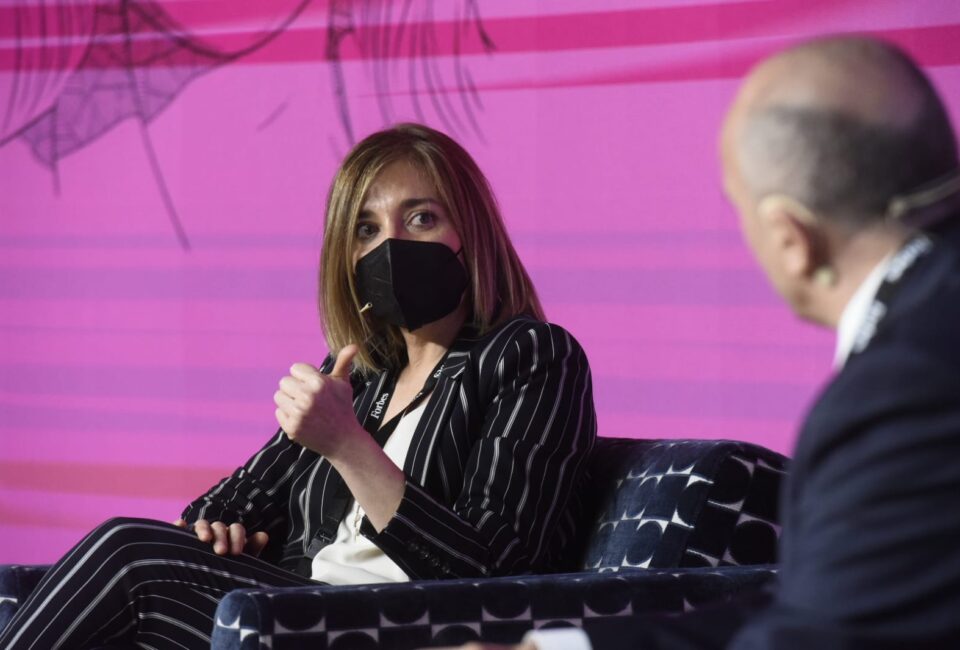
[[785, 203], [824, 275]]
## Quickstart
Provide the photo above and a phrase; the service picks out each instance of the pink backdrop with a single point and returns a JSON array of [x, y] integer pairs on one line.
[[162, 177]]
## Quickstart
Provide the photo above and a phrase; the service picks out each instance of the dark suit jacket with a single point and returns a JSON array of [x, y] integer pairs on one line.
[[493, 469], [870, 550]]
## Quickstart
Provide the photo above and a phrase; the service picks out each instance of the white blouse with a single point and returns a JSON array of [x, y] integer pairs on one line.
[[352, 559]]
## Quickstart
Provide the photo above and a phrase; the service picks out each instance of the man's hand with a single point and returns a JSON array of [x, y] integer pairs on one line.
[[230, 539], [316, 410]]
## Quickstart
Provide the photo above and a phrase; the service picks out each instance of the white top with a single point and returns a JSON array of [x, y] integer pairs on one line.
[[352, 559], [856, 311]]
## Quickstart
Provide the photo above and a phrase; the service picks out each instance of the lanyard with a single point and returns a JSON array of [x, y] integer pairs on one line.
[[374, 417], [906, 258]]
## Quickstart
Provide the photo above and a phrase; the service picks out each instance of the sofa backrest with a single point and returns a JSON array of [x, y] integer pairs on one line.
[[681, 503]]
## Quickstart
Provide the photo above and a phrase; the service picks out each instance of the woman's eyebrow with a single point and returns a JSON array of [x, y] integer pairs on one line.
[[406, 204]]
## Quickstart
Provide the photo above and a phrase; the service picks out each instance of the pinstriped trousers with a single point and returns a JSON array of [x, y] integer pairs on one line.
[[136, 581]]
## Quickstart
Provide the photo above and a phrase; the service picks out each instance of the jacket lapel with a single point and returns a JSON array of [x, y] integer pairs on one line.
[[436, 418]]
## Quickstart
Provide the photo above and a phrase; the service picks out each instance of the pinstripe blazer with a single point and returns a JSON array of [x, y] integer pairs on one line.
[[493, 470]]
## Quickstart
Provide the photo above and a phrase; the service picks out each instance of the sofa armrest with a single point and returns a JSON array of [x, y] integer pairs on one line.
[[425, 613], [17, 581]]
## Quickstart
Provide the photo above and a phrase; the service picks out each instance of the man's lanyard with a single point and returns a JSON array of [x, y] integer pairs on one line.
[[374, 417], [906, 258]]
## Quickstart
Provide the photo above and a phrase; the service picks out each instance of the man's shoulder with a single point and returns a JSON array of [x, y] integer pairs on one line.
[[910, 366], [924, 315], [880, 392]]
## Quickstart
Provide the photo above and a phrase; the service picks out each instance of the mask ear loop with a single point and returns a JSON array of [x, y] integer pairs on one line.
[[370, 338]]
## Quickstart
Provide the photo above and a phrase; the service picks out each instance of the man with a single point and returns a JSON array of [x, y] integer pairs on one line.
[[836, 153]]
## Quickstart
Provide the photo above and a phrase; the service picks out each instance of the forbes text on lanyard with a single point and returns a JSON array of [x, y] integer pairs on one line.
[[374, 417], [906, 258]]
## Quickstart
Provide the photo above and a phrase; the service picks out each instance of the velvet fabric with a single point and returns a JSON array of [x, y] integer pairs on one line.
[[669, 523], [682, 503], [449, 612]]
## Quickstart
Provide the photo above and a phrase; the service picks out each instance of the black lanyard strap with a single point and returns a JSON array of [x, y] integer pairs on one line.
[[905, 259], [373, 420]]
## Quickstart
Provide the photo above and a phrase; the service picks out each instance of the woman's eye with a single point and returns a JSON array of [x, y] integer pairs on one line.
[[366, 231], [423, 220]]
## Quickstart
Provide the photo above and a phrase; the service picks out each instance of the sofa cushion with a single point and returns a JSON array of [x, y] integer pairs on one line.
[[682, 503], [407, 615], [16, 584]]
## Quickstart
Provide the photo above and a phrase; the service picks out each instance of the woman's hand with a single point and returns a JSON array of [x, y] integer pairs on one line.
[[230, 539], [316, 410]]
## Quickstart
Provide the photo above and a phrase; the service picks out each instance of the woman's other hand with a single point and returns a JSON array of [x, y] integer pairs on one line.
[[316, 410], [226, 539]]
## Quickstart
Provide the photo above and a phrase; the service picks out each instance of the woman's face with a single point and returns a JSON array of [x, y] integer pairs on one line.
[[402, 204]]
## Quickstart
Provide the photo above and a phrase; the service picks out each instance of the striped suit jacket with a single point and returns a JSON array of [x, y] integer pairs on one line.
[[493, 470]]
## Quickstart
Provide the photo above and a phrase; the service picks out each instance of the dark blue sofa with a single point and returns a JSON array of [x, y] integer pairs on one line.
[[676, 524]]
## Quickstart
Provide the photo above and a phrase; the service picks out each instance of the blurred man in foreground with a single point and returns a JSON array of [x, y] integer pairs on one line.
[[841, 161]]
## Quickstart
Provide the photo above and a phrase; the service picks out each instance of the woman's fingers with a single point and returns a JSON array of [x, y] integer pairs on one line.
[[316, 410], [304, 372], [202, 528], [221, 538], [230, 539], [341, 367], [238, 538], [256, 543], [285, 402], [290, 387]]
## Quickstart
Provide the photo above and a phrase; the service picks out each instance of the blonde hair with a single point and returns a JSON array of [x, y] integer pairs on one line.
[[499, 285]]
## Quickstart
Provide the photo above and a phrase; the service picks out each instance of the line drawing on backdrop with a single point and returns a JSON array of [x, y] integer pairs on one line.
[[72, 71]]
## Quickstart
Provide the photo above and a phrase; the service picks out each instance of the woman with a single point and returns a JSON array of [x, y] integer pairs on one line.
[[454, 448]]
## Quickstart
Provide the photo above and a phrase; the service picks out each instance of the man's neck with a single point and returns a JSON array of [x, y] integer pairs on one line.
[[855, 256]]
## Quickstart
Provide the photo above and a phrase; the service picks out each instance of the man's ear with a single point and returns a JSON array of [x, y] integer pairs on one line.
[[793, 234]]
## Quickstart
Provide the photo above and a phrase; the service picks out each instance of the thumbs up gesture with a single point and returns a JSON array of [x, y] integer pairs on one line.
[[316, 410]]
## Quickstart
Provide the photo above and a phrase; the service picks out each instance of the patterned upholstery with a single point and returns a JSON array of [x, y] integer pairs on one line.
[[415, 615], [682, 503], [16, 583], [672, 518]]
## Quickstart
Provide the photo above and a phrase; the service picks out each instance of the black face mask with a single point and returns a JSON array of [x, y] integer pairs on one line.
[[410, 283]]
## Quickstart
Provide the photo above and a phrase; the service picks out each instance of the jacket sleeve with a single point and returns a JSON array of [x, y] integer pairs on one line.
[[538, 426], [255, 494]]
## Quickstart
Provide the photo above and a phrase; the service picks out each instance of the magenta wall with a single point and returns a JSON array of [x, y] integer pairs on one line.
[[162, 178]]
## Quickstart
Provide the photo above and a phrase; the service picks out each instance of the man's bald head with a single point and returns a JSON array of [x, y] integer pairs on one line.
[[842, 125]]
